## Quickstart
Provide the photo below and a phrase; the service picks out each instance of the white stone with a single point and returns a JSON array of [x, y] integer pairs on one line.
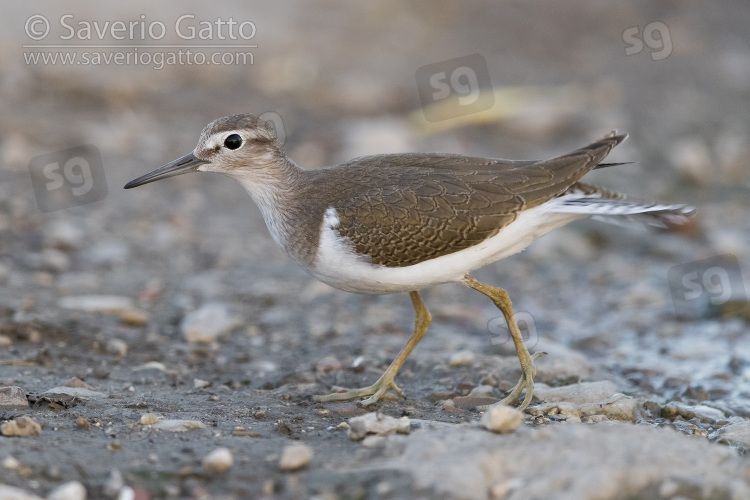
[[209, 322], [502, 419], [11, 493], [295, 457], [218, 461], [72, 490], [179, 425], [378, 424], [585, 392], [149, 419], [116, 347], [462, 358]]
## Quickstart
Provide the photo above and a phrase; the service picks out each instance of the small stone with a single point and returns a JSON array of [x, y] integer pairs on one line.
[[115, 483], [13, 398], [482, 391], [82, 423], [502, 419], [218, 461], [77, 382], [116, 347], [374, 441], [72, 392], [21, 426], [616, 407], [116, 305], [462, 358], [179, 425], [585, 392], [200, 383], [149, 419], [209, 323], [48, 260], [295, 457], [11, 493], [471, 402], [11, 463], [735, 433], [72, 490], [64, 235], [378, 424], [5, 341]]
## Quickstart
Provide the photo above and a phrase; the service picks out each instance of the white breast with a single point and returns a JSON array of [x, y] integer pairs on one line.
[[339, 266]]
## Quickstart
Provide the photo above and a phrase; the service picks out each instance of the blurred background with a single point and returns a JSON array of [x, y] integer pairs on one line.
[[94, 95]]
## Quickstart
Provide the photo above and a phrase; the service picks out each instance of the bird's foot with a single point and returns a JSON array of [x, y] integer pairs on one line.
[[375, 391], [528, 372]]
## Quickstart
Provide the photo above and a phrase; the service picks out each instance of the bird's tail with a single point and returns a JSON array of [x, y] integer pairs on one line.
[[615, 208]]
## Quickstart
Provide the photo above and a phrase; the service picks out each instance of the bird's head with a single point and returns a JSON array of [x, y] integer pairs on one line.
[[233, 145]]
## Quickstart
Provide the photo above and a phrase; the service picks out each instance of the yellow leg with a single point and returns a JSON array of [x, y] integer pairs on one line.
[[387, 380], [528, 370]]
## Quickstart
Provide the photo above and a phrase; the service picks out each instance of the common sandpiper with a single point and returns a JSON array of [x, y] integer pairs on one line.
[[403, 222]]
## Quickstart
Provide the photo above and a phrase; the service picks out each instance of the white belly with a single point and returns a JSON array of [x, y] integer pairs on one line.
[[338, 266]]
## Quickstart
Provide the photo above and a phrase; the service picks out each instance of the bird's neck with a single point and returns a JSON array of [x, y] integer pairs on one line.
[[275, 187]]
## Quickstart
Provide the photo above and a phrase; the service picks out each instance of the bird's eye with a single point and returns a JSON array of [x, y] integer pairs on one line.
[[233, 141]]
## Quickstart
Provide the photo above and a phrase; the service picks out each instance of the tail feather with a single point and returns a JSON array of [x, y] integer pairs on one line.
[[616, 209]]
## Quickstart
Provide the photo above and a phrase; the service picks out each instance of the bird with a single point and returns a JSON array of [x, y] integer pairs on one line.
[[394, 223]]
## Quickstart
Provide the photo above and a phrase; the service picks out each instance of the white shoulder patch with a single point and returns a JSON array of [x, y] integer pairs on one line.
[[331, 219]]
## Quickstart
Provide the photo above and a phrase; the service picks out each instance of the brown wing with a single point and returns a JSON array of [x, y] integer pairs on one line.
[[400, 214]]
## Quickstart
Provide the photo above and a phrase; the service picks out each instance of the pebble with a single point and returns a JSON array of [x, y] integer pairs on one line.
[[179, 425], [13, 398], [149, 419], [374, 441], [108, 253], [116, 347], [701, 412], [11, 493], [502, 419], [5, 341], [462, 358], [77, 382], [584, 392], [218, 461], [117, 305], [200, 383], [11, 463], [295, 457], [209, 322], [21, 426], [72, 490], [736, 433], [63, 235], [48, 260], [616, 407], [378, 424], [73, 392]]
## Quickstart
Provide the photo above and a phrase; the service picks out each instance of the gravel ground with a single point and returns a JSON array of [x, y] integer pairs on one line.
[[148, 329]]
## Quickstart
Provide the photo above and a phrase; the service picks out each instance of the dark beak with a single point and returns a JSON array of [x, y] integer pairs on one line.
[[186, 164]]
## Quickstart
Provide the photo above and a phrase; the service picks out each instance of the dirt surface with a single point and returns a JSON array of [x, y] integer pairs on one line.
[[102, 294]]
